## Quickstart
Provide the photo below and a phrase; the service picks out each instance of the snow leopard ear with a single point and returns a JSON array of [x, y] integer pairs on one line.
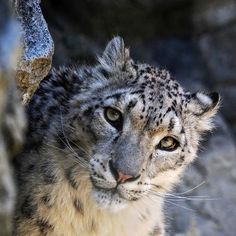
[[204, 107], [114, 56]]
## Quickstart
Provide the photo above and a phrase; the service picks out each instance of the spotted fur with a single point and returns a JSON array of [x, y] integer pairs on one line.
[[67, 184]]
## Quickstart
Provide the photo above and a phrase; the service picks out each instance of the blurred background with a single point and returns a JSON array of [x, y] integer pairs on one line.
[[196, 41]]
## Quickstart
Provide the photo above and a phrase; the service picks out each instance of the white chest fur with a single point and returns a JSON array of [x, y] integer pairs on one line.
[[139, 218]]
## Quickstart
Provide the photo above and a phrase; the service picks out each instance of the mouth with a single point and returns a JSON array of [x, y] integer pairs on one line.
[[110, 192], [119, 192], [109, 199], [113, 190]]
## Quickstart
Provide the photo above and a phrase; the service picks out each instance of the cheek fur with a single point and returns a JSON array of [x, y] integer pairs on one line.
[[100, 127]]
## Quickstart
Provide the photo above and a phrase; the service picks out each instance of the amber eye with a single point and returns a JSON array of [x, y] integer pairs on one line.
[[168, 144], [114, 117]]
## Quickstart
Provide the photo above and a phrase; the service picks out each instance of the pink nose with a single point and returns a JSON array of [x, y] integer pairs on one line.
[[121, 178]]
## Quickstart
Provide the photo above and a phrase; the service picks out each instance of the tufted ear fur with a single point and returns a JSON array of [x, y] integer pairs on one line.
[[114, 56], [204, 107]]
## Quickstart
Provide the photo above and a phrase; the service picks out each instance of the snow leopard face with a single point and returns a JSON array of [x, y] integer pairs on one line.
[[133, 127], [145, 128]]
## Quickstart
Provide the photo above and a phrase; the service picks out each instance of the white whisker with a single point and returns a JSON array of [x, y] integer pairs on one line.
[[190, 190], [172, 203], [76, 157]]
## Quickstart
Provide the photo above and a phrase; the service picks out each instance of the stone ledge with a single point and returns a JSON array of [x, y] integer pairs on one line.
[[37, 44]]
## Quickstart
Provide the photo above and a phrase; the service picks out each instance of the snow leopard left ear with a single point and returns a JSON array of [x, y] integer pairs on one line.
[[114, 56], [204, 107]]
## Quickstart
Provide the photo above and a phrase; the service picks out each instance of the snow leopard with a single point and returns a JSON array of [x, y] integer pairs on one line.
[[105, 143]]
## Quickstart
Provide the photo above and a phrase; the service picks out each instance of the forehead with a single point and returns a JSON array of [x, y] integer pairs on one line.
[[161, 97], [157, 89], [153, 98], [154, 82]]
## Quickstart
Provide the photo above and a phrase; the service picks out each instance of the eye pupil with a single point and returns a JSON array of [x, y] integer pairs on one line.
[[168, 141], [168, 144], [114, 117]]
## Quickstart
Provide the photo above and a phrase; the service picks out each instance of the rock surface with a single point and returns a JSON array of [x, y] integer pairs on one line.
[[38, 46]]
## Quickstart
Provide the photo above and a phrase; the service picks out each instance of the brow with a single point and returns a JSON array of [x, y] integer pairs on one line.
[[157, 131], [115, 95]]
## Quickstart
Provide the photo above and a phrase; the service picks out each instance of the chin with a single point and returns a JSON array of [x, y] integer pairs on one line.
[[109, 200]]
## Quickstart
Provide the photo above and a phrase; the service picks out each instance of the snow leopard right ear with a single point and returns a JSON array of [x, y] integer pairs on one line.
[[204, 107], [114, 56]]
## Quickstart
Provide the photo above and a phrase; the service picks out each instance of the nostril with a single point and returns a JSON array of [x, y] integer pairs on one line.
[[120, 176], [123, 178], [132, 178]]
